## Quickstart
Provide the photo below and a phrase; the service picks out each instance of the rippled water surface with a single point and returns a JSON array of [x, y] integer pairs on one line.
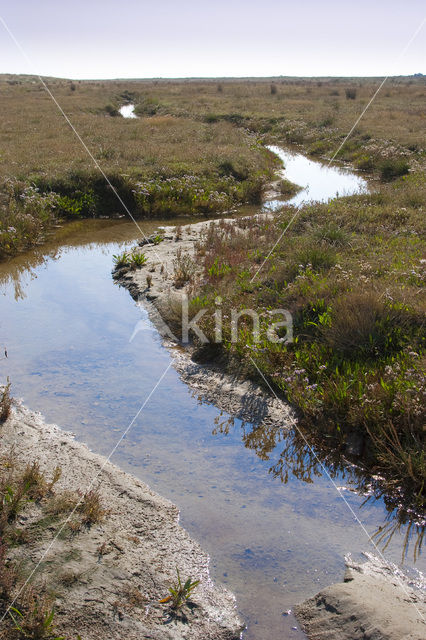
[[67, 328]]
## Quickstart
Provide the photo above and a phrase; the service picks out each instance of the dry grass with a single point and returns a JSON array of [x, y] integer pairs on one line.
[[185, 129]]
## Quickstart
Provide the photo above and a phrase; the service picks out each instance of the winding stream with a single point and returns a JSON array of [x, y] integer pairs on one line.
[[67, 329]]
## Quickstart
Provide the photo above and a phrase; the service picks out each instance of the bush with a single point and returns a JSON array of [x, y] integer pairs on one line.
[[184, 268], [350, 93], [393, 168], [112, 111], [273, 89], [364, 326], [365, 163]]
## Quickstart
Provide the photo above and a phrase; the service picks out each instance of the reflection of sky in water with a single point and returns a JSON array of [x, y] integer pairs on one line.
[[127, 111], [319, 182], [70, 357]]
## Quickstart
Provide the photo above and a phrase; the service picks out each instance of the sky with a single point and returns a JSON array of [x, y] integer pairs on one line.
[[86, 39]]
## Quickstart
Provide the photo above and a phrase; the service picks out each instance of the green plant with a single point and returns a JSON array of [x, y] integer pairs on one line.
[[78, 205], [180, 592], [121, 259], [218, 269], [137, 260], [37, 622], [393, 168]]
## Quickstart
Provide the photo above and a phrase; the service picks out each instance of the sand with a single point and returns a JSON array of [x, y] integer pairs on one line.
[[123, 566]]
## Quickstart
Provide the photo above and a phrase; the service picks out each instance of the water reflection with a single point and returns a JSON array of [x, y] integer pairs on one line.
[[293, 453], [128, 111], [319, 182]]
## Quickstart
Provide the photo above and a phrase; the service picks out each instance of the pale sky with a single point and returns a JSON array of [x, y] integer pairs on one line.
[[187, 38]]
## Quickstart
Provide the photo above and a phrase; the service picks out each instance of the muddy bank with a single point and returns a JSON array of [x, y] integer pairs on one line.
[[375, 602], [108, 579], [240, 398]]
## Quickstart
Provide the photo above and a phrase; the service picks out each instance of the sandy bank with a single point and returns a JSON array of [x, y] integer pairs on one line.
[[240, 398], [375, 602], [122, 567]]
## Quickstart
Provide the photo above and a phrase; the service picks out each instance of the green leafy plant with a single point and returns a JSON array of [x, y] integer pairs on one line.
[[36, 624], [121, 259], [137, 260], [218, 269], [180, 592]]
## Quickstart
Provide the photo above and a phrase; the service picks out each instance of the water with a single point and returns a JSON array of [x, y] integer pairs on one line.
[[67, 328], [128, 111], [318, 181]]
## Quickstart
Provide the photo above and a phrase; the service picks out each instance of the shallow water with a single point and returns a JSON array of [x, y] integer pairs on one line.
[[67, 328], [128, 111], [318, 181]]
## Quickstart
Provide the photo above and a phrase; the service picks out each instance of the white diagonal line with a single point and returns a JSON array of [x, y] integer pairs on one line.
[[325, 470], [80, 139], [401, 54], [89, 488]]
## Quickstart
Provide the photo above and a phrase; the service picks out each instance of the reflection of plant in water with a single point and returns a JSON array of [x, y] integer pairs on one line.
[[384, 534], [306, 459]]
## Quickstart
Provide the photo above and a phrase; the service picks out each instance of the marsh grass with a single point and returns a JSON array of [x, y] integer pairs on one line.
[[351, 272], [149, 161]]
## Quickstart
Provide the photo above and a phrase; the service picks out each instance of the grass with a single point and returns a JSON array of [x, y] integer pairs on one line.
[[351, 272], [31, 509], [149, 161], [180, 592]]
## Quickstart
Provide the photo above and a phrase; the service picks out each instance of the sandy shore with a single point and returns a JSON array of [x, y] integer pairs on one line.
[[375, 602], [108, 579]]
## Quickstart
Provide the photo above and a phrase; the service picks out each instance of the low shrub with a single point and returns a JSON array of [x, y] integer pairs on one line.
[[364, 326], [184, 268], [393, 168], [350, 93]]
